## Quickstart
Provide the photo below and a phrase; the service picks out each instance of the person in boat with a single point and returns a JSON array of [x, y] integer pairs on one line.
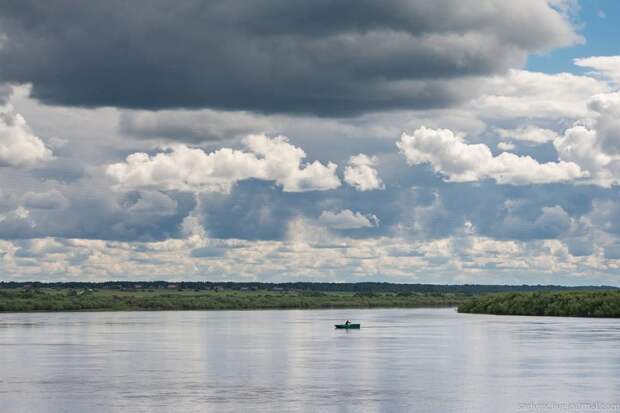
[[347, 323]]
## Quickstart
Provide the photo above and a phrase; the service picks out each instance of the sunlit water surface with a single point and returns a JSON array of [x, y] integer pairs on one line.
[[424, 360]]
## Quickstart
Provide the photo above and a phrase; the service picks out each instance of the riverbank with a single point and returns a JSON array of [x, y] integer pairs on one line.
[[563, 304], [53, 300]]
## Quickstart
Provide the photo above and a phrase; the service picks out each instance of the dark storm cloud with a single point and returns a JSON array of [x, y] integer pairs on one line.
[[94, 213], [520, 213], [253, 211], [5, 93], [431, 209], [60, 169], [326, 57], [436, 209], [44, 200], [256, 210], [191, 126]]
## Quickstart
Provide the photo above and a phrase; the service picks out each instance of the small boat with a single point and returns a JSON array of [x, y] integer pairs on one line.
[[348, 326]]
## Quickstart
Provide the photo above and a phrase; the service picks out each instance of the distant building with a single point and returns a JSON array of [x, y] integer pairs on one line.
[[172, 286]]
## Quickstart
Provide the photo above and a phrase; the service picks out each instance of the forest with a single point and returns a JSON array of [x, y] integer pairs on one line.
[[365, 287], [547, 303], [591, 301], [67, 299]]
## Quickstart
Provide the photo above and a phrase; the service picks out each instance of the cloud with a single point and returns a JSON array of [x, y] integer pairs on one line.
[[605, 215], [361, 174], [323, 57], [52, 199], [153, 203], [535, 95], [208, 252], [189, 169], [5, 93], [468, 212], [227, 216], [60, 169], [529, 134], [551, 223], [8, 202], [192, 126], [458, 161], [505, 146], [434, 220], [580, 247], [594, 143], [91, 211], [42, 247], [19, 146], [605, 66], [612, 252], [347, 219]]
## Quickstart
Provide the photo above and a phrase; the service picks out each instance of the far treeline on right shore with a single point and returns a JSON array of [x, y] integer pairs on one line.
[[530, 300], [546, 303]]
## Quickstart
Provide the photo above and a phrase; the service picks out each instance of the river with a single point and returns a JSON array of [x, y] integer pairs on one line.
[[423, 360]]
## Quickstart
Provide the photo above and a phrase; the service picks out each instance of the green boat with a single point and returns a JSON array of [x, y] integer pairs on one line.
[[348, 326]]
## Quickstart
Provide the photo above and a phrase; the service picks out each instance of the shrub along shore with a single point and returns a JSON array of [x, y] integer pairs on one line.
[[593, 301], [24, 300], [545, 303]]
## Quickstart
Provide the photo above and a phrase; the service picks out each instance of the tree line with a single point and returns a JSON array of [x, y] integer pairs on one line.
[[554, 303], [359, 287]]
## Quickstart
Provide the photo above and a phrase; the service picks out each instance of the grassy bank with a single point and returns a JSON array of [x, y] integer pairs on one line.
[[568, 304], [42, 299]]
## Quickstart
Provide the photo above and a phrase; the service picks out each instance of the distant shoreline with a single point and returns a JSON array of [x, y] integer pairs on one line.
[[593, 304], [97, 310], [355, 287], [89, 300], [195, 296]]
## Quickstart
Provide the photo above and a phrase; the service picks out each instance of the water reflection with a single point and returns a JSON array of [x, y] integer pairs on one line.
[[431, 360]]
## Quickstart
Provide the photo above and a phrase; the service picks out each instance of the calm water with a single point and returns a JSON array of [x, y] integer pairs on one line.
[[427, 360]]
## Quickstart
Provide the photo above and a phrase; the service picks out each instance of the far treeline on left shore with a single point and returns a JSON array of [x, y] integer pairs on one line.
[[162, 295]]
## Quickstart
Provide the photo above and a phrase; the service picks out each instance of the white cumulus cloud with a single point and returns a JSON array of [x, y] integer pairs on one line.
[[505, 146], [190, 169], [459, 161], [19, 146], [535, 95], [606, 66], [530, 134], [347, 219], [594, 143], [361, 174]]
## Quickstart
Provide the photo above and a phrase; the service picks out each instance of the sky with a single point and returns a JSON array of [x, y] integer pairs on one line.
[[453, 141]]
